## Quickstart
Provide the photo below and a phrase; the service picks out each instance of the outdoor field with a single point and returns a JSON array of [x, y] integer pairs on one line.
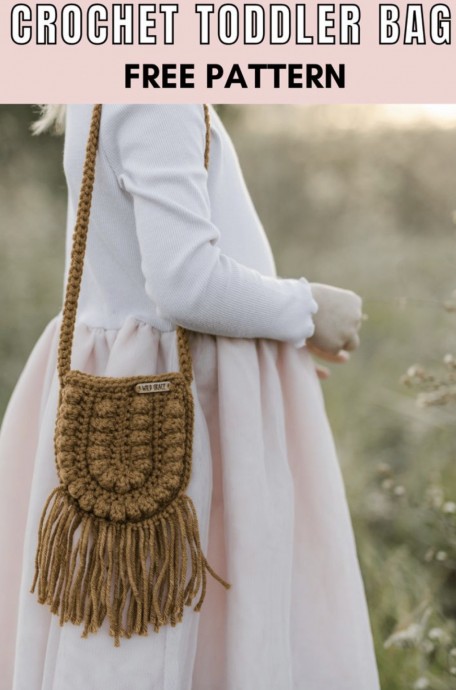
[[363, 197]]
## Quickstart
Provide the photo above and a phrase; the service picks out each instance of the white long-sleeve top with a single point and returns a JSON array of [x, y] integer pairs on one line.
[[169, 241]]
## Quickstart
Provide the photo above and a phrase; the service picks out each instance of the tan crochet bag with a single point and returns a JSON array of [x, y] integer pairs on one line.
[[123, 451]]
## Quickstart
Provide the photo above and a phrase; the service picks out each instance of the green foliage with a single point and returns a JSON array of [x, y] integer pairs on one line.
[[433, 633], [33, 207]]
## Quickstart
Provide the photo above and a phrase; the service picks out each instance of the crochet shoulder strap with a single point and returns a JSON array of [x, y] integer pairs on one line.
[[78, 251]]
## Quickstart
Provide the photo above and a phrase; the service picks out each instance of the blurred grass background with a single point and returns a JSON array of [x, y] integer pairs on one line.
[[362, 197]]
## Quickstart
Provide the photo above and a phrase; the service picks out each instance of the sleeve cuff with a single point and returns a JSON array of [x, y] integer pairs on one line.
[[312, 308]]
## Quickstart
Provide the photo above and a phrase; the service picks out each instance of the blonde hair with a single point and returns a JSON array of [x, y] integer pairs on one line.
[[51, 118]]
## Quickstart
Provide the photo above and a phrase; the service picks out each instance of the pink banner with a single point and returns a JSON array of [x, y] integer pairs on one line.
[[186, 52]]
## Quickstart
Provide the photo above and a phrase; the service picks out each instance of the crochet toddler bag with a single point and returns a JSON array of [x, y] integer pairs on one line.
[[123, 452]]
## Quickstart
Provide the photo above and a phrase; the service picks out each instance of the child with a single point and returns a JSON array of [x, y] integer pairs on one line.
[[173, 243]]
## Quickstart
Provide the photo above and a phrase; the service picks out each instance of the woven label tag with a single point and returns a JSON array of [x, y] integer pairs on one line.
[[154, 387]]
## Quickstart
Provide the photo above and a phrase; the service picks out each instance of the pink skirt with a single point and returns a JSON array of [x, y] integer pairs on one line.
[[273, 518]]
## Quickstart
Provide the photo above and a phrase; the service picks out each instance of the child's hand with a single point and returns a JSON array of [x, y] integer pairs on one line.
[[324, 372], [337, 321]]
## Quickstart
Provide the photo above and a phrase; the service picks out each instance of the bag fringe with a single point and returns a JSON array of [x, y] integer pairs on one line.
[[105, 572]]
